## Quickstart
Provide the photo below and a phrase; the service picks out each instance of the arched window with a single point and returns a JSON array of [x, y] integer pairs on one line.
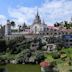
[[35, 29]]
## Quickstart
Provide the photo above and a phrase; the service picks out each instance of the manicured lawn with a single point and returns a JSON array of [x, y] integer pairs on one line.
[[23, 68]]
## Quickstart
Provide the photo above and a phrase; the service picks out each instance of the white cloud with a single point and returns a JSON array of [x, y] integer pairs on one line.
[[50, 11], [2, 20], [22, 14]]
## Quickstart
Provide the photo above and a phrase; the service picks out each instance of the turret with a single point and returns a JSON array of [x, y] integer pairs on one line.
[[8, 28]]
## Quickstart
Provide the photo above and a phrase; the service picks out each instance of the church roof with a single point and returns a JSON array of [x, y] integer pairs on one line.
[[37, 19], [52, 27]]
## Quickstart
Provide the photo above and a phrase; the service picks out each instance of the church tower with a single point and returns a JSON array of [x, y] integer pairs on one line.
[[37, 25], [37, 19], [8, 28]]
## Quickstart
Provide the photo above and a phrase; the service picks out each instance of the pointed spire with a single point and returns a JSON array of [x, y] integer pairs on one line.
[[43, 21], [37, 15], [37, 18]]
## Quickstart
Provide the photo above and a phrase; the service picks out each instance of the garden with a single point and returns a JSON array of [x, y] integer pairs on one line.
[[62, 58], [16, 56]]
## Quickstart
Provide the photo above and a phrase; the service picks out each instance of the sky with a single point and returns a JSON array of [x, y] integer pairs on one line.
[[21, 11]]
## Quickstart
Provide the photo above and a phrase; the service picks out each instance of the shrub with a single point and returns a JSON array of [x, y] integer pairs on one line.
[[51, 68], [24, 56], [55, 55], [70, 70], [70, 62], [39, 56], [2, 45]]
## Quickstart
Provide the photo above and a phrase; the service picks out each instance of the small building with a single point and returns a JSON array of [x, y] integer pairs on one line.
[[49, 47], [8, 28], [67, 40]]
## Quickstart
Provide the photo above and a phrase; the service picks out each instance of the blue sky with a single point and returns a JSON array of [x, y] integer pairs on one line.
[[5, 4], [25, 10]]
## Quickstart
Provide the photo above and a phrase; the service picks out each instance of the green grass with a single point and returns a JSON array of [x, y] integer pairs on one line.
[[2, 66], [23, 68]]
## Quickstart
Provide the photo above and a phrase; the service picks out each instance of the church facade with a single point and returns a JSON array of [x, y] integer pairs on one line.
[[38, 28], [38, 25]]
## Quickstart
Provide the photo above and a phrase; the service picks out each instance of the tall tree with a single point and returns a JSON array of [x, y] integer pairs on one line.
[[57, 24], [67, 25], [12, 23]]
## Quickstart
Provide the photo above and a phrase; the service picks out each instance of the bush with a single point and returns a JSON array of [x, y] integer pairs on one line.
[[51, 68], [2, 45], [70, 62], [24, 56], [39, 56], [55, 55], [70, 70], [63, 56]]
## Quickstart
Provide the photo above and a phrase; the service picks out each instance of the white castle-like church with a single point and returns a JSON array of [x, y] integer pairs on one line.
[[36, 27]]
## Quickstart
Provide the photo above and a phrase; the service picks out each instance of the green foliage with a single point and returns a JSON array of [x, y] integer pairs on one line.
[[68, 52], [55, 55], [23, 56], [39, 56], [17, 44], [12, 23], [7, 56], [52, 67], [68, 25], [70, 62], [2, 45]]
